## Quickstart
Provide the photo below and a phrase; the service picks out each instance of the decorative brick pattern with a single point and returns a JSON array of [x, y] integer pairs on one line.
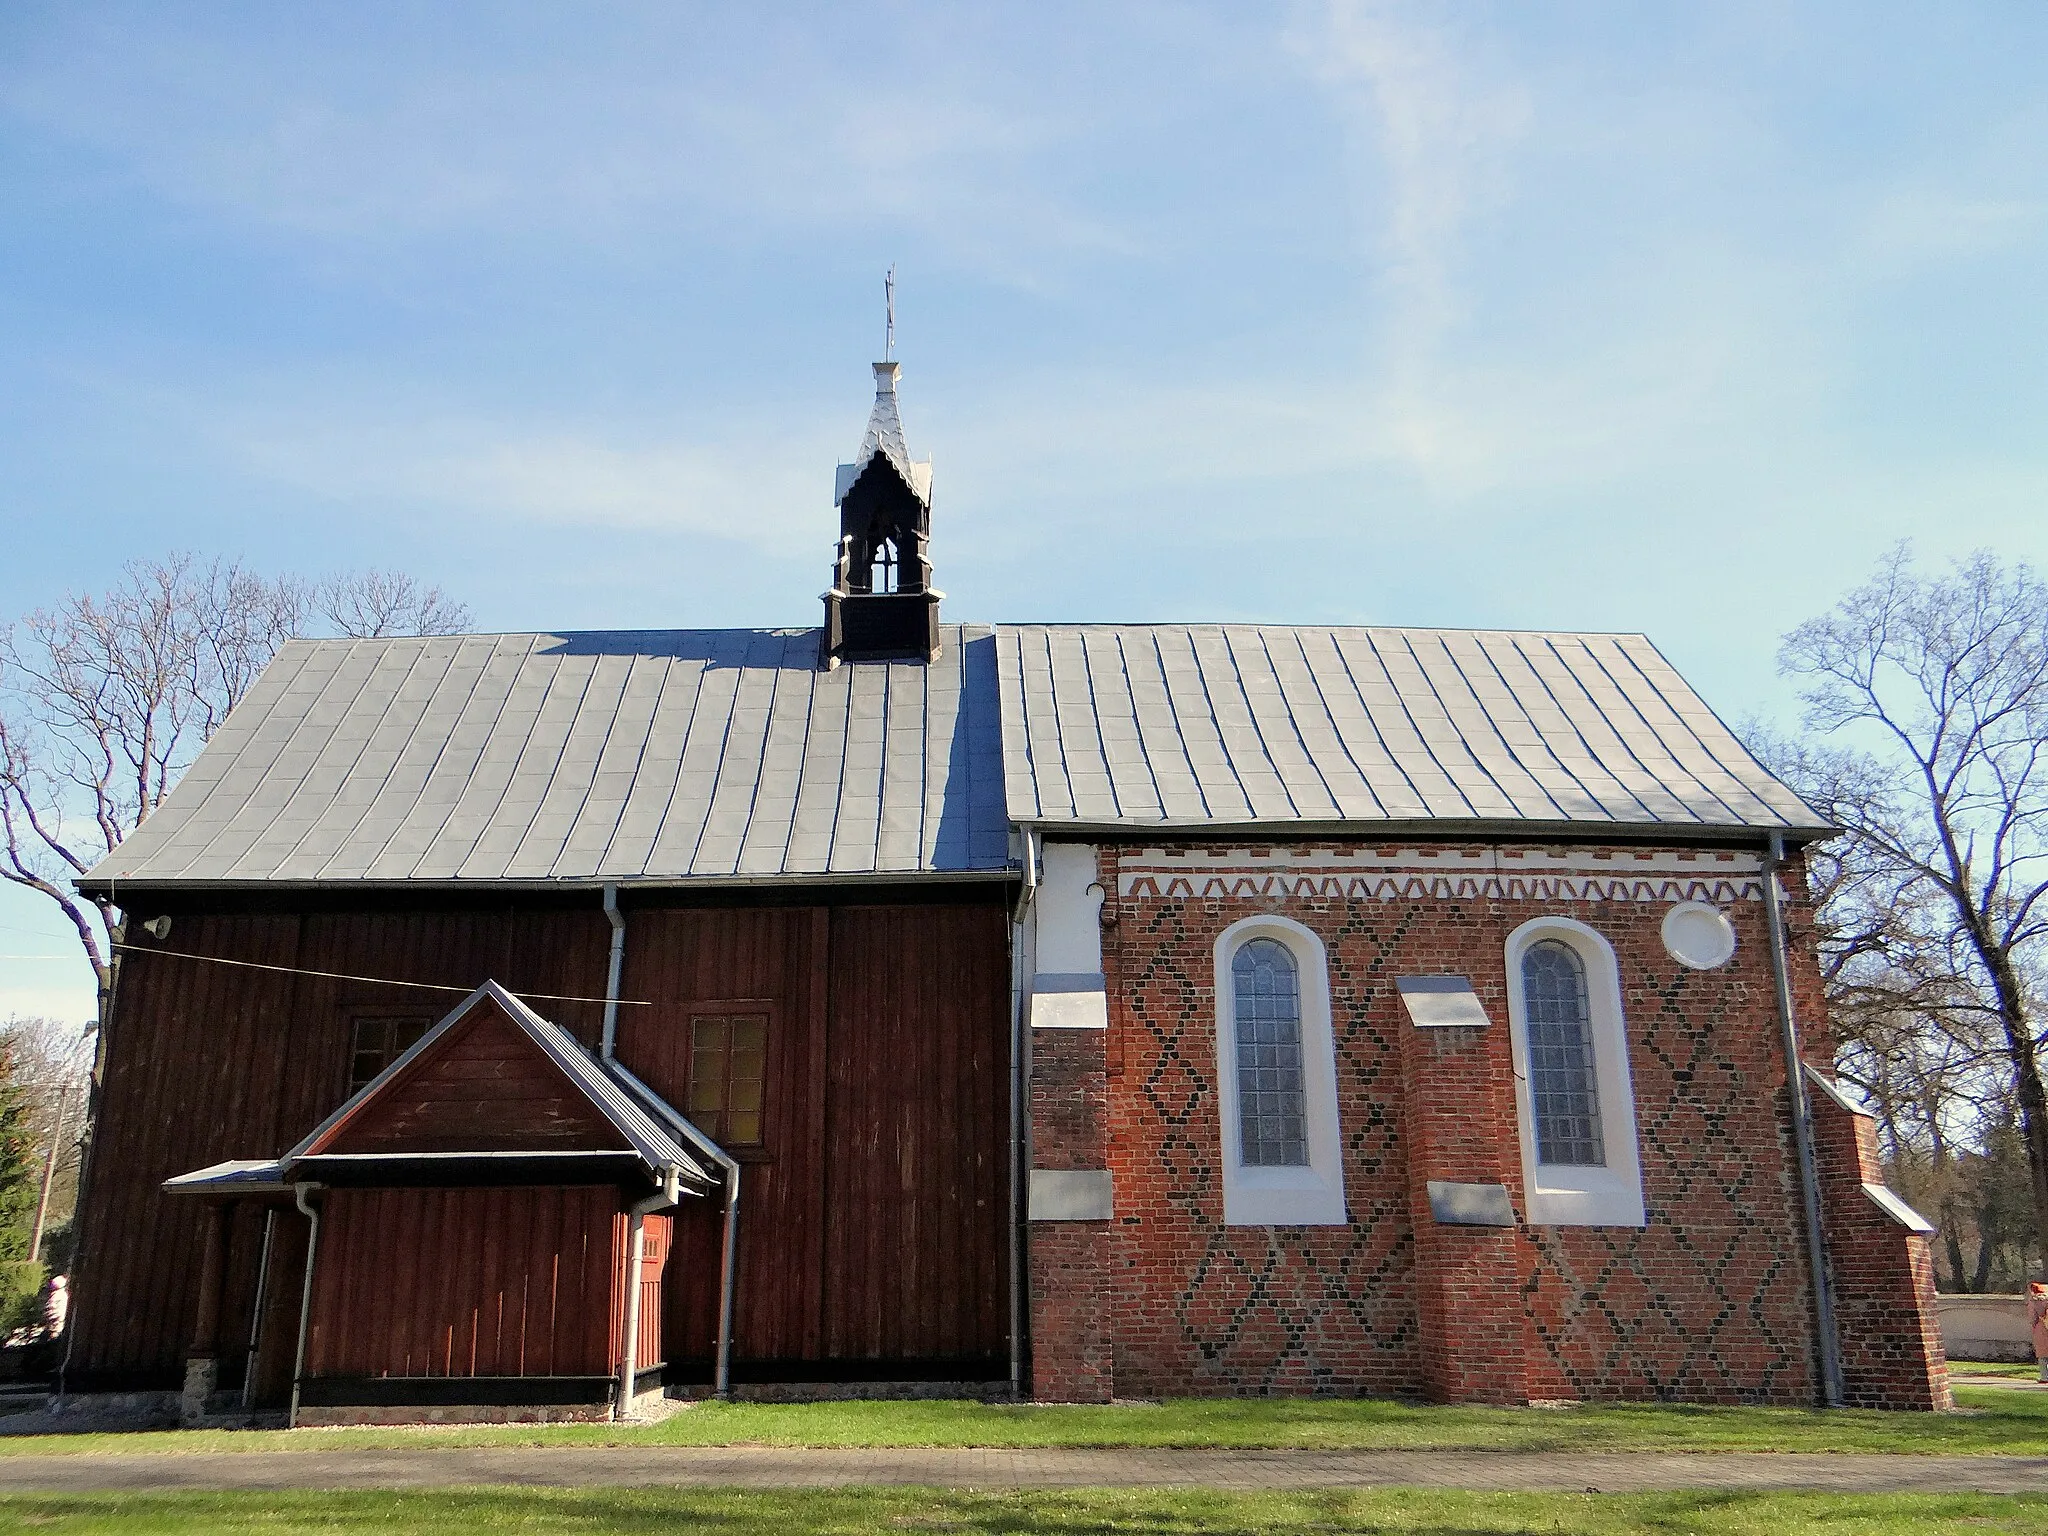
[[1708, 1302], [1892, 1354]]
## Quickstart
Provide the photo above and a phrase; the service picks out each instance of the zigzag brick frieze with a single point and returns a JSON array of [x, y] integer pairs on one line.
[[1457, 875]]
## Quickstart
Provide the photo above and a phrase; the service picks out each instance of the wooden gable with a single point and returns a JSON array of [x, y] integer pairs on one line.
[[484, 1085]]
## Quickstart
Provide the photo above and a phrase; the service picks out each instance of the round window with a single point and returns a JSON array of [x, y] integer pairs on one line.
[[1699, 935]]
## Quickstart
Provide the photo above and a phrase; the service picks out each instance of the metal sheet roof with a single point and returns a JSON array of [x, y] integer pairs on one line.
[[1134, 725], [657, 755], [681, 755]]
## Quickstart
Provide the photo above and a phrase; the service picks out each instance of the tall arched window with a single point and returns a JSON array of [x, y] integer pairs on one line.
[[1276, 1077], [1272, 1110], [1564, 1082], [1573, 1096]]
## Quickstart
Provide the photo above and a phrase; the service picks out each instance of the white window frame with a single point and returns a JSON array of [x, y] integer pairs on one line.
[[1282, 1197], [1560, 1195]]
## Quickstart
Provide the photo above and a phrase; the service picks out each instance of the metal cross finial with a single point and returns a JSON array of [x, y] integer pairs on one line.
[[889, 337]]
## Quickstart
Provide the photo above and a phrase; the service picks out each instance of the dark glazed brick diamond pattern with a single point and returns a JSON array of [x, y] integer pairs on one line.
[[1706, 1303]]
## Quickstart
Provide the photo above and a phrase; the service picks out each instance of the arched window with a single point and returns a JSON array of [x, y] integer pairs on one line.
[[1573, 1095], [1564, 1084], [1272, 1110], [1276, 1078], [885, 570]]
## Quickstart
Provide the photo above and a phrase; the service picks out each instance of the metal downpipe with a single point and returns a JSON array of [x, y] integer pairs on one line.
[[1020, 984], [721, 1381], [613, 967], [300, 1192], [1802, 1131], [607, 1049]]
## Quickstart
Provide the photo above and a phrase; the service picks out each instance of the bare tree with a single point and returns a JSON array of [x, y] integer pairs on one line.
[[1933, 694], [106, 699], [374, 604]]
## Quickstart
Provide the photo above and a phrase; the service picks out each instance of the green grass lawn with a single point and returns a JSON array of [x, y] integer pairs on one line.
[[649, 1512], [1993, 1420]]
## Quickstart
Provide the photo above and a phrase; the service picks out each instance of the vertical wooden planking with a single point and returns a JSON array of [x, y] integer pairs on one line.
[[915, 1165]]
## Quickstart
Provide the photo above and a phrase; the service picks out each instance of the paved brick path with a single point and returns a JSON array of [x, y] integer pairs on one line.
[[766, 1467]]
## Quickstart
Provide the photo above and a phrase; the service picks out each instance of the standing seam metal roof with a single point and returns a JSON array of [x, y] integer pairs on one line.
[[1133, 725], [658, 755], [729, 754]]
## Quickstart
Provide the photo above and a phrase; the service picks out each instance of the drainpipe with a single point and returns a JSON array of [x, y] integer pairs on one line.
[[612, 969], [636, 1257], [1802, 1130], [721, 1381], [728, 1267], [300, 1192], [1020, 985], [713, 1152]]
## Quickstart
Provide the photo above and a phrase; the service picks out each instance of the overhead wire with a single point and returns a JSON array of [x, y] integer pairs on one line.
[[375, 981]]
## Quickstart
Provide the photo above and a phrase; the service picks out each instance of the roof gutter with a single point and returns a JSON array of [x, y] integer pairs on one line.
[[728, 1264], [92, 882], [1444, 830]]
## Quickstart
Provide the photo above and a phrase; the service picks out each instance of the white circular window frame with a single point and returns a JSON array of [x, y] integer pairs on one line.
[[1687, 930]]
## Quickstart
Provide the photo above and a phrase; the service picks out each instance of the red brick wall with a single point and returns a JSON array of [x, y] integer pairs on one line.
[[1892, 1355], [1709, 1302], [1069, 1261], [1458, 1102]]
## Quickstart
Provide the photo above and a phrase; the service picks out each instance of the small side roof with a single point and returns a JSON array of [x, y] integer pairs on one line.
[[238, 1176], [656, 1144]]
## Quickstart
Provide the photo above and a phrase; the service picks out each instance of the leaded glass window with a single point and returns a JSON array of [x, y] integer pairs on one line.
[[728, 1077], [1272, 1111], [1564, 1085]]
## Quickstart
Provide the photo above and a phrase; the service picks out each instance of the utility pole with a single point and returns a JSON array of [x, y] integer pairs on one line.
[[35, 1247]]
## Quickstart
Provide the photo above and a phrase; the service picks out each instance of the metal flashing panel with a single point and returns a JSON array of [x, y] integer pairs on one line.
[[659, 755], [1900, 1212], [1071, 1195], [1160, 725], [1471, 1205], [1441, 1002]]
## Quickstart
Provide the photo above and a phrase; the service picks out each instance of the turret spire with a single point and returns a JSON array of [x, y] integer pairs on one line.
[[882, 605]]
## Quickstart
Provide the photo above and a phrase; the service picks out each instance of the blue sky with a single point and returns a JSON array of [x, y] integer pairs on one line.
[[1590, 316]]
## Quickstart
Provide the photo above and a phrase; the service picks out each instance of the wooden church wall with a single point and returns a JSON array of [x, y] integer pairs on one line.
[[207, 1062], [873, 1224], [467, 1282]]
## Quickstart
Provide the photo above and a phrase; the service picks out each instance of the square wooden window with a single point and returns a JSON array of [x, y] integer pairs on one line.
[[378, 1039], [728, 1076]]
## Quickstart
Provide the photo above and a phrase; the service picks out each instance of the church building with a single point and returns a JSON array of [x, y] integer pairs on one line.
[[524, 1025]]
